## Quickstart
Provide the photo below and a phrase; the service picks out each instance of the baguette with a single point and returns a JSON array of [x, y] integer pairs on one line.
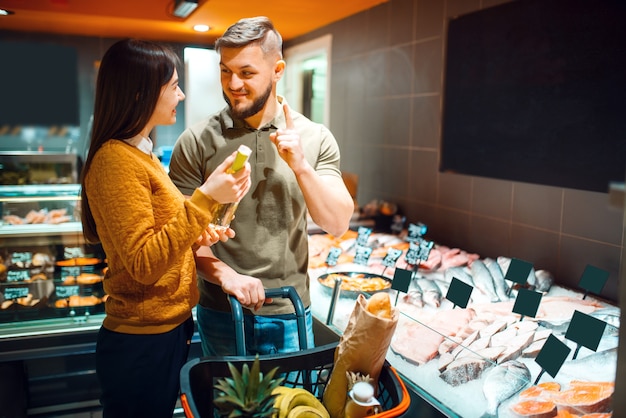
[[379, 304]]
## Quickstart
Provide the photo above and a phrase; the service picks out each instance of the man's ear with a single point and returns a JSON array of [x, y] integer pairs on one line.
[[279, 69]]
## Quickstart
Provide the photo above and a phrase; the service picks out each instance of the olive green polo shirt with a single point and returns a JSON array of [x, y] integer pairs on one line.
[[271, 242]]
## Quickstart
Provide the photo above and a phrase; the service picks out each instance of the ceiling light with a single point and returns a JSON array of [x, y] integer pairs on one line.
[[201, 28], [183, 8], [4, 12]]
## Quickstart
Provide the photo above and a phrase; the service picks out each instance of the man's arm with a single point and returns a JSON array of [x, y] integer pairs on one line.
[[248, 290], [327, 199]]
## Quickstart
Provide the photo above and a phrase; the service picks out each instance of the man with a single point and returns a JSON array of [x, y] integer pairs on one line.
[[295, 170]]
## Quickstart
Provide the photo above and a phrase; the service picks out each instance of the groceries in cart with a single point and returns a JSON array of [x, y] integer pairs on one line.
[[289, 385], [362, 348]]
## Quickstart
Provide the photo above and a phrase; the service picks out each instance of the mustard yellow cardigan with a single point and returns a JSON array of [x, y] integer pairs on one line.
[[147, 229]]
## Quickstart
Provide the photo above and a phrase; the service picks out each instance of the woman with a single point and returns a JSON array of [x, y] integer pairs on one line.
[[147, 229]]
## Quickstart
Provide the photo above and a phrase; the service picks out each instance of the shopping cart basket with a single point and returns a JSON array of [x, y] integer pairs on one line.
[[309, 369]]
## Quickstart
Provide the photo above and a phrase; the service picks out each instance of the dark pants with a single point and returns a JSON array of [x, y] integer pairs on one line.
[[139, 374]]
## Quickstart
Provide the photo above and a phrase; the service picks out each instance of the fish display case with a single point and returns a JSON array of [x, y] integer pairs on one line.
[[470, 341]]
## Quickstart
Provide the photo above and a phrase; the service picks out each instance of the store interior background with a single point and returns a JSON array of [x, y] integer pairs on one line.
[[386, 78], [386, 75]]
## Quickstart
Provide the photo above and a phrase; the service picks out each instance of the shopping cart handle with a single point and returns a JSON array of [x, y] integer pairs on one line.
[[282, 292]]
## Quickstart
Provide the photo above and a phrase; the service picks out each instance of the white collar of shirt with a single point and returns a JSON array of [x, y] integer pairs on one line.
[[141, 142]]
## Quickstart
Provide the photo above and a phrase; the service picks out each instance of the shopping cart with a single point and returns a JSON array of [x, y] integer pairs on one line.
[[309, 369]]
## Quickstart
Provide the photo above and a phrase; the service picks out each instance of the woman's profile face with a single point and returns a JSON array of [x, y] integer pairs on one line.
[[171, 95]]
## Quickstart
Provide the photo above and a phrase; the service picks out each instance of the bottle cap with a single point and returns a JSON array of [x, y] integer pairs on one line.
[[243, 153]]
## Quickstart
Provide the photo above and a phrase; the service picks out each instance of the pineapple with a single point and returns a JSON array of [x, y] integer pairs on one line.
[[247, 394]]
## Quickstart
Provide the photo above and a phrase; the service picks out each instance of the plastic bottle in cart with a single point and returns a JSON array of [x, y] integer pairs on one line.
[[225, 213], [361, 401]]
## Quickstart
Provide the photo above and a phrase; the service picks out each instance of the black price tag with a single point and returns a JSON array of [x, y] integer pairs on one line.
[[459, 292], [333, 256], [362, 255], [401, 280], [15, 292], [363, 236], [585, 330], [552, 356], [64, 292], [593, 279], [393, 254], [527, 302], [17, 275], [416, 231], [518, 271]]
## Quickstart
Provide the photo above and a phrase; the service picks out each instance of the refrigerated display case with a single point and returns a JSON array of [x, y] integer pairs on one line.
[[50, 288], [459, 358]]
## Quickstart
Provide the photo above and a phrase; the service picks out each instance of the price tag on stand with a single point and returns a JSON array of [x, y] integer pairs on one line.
[[391, 258], [593, 280], [416, 231], [362, 255], [459, 292], [527, 303], [424, 251], [401, 281], [518, 272], [333, 256], [585, 330], [412, 256], [363, 236], [551, 357]]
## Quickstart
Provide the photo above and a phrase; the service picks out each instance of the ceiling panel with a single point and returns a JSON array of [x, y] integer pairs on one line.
[[153, 19]]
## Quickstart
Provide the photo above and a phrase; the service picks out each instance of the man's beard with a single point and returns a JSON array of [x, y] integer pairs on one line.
[[256, 106]]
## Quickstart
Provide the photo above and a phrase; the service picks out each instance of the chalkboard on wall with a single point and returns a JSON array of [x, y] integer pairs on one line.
[[535, 91], [39, 84]]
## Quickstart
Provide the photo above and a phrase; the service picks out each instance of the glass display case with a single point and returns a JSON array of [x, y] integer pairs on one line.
[[50, 287], [46, 270], [484, 357]]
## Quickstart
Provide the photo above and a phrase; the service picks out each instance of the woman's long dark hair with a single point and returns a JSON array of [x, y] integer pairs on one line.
[[131, 75]]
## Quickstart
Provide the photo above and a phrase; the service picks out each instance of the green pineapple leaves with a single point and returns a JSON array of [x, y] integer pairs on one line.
[[247, 394]]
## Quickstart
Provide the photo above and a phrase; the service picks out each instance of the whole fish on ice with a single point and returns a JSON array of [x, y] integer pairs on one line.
[[545, 279], [459, 273], [431, 294], [599, 366], [499, 284], [503, 381], [483, 280]]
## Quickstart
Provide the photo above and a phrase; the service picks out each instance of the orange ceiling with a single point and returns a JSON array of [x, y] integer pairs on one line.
[[152, 19]]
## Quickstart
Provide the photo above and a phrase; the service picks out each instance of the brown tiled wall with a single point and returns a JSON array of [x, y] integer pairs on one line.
[[387, 78]]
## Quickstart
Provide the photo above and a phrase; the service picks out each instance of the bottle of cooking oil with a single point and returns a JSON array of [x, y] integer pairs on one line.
[[225, 213]]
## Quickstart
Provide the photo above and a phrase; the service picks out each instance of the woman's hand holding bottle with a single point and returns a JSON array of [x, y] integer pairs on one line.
[[224, 186]]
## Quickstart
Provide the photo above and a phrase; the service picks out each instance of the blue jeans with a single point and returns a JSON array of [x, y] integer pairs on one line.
[[264, 334]]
